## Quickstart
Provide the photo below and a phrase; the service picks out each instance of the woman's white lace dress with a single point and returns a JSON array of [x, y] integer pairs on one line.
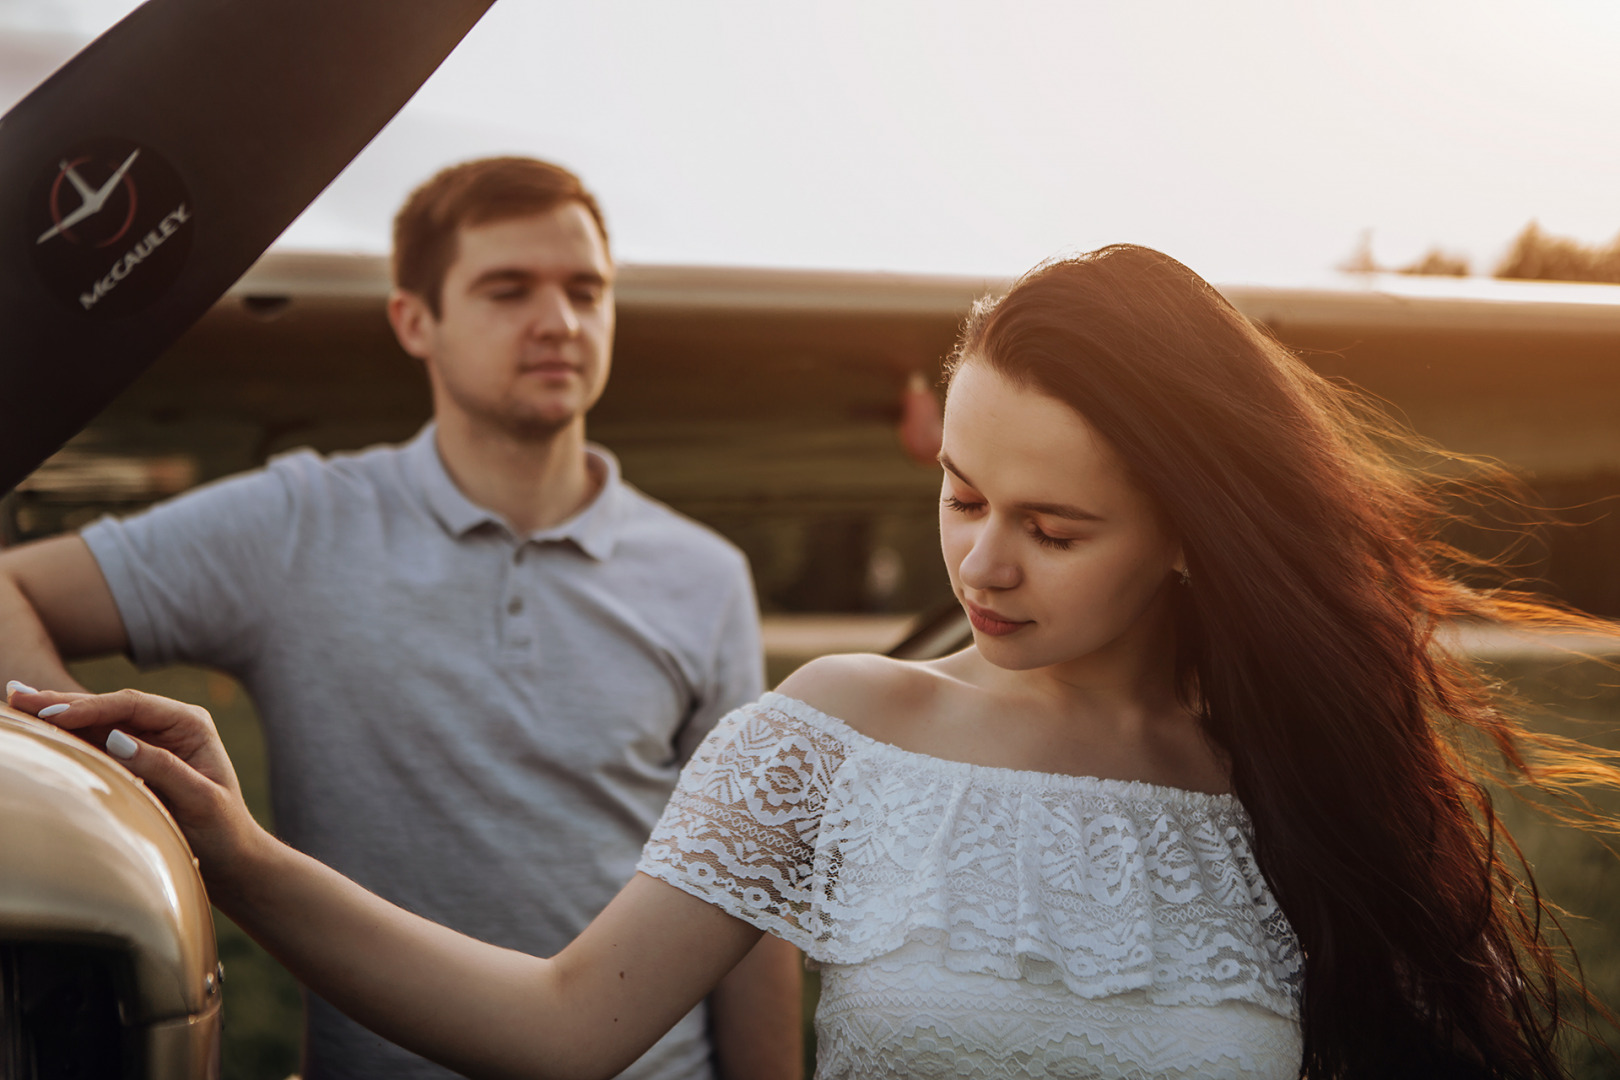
[[980, 922]]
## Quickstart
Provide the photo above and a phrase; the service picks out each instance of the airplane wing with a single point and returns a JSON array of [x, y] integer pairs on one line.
[[201, 129]]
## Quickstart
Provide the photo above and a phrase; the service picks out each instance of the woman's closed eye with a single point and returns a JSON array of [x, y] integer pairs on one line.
[[1045, 539], [1061, 543]]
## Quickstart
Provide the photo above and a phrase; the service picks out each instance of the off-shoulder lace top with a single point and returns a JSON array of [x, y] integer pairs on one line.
[[975, 922]]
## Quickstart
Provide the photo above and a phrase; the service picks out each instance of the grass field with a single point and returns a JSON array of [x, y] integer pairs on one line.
[[1574, 869]]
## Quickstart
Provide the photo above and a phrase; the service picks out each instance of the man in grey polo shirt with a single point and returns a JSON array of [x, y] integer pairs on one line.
[[481, 658]]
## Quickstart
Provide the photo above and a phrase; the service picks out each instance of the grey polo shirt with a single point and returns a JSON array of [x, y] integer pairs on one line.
[[480, 726]]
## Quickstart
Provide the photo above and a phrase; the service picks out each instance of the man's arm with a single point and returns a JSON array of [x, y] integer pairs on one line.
[[54, 605], [756, 1018]]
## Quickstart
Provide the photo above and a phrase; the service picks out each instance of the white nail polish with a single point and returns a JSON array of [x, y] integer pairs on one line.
[[120, 745], [15, 687], [51, 710]]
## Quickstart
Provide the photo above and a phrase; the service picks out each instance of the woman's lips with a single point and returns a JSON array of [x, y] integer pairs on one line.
[[988, 622]]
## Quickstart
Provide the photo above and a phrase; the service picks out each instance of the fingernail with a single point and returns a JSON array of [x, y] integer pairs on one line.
[[119, 745], [50, 711], [15, 687]]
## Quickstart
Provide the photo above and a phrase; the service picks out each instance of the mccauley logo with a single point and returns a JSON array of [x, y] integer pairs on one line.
[[111, 228], [136, 255]]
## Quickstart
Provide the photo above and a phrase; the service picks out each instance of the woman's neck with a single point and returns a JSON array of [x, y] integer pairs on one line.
[[1133, 675]]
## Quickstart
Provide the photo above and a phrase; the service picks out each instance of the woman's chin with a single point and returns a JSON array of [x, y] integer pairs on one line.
[[1012, 652]]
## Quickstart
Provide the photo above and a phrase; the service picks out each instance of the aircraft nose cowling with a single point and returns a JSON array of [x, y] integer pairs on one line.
[[92, 864]]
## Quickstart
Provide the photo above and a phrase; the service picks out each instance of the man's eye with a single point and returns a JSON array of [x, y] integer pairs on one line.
[[586, 297]]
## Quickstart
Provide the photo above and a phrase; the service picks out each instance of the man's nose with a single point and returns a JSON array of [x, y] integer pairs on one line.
[[990, 562], [554, 314]]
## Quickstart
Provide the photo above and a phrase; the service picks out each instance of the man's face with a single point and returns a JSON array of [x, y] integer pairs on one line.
[[524, 335]]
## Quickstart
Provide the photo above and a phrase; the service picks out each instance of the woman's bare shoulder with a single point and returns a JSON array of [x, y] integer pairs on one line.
[[876, 695]]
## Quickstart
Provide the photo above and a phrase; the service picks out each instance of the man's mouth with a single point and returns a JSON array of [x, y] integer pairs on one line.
[[549, 368]]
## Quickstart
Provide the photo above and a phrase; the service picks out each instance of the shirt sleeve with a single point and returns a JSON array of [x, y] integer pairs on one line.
[[737, 672], [193, 577], [741, 830]]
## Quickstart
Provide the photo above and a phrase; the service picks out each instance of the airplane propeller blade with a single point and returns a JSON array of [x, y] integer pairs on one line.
[[192, 132]]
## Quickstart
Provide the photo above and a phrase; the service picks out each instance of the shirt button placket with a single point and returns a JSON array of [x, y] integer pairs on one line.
[[517, 634]]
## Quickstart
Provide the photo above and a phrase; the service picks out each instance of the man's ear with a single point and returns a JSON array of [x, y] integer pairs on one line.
[[413, 322]]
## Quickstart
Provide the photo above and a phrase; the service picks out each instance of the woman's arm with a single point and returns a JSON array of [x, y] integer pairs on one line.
[[756, 1015], [645, 961]]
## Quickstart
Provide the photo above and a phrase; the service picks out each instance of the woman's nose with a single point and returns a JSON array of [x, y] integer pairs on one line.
[[989, 563]]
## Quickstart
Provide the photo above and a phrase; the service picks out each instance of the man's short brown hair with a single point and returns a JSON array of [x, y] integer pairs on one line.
[[474, 193]]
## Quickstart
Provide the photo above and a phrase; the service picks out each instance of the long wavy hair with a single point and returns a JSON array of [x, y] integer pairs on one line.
[[1313, 528]]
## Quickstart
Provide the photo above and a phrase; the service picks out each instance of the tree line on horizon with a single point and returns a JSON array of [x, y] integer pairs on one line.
[[1534, 256]]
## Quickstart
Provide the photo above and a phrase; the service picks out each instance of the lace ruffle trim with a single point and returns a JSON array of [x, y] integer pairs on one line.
[[850, 848]]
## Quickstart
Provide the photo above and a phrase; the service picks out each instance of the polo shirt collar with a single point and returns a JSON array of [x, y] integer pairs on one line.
[[594, 529]]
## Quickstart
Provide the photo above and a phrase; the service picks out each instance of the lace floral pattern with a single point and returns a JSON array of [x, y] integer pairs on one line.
[[1031, 923]]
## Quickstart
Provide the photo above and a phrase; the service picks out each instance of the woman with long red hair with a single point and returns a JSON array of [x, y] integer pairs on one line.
[[1198, 800]]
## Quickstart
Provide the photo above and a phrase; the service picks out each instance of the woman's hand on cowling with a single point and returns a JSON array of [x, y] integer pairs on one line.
[[175, 749]]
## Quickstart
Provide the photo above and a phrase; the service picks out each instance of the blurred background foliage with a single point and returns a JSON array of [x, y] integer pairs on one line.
[[1534, 255]]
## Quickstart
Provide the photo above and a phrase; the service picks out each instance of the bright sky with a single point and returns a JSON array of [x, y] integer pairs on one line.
[[1253, 139]]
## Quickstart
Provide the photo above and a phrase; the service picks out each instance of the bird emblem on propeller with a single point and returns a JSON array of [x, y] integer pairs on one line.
[[92, 200]]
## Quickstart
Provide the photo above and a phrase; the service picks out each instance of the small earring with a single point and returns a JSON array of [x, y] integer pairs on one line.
[[1185, 576]]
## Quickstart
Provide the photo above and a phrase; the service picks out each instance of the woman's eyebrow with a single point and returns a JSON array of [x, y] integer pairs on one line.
[[949, 466], [1059, 510]]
